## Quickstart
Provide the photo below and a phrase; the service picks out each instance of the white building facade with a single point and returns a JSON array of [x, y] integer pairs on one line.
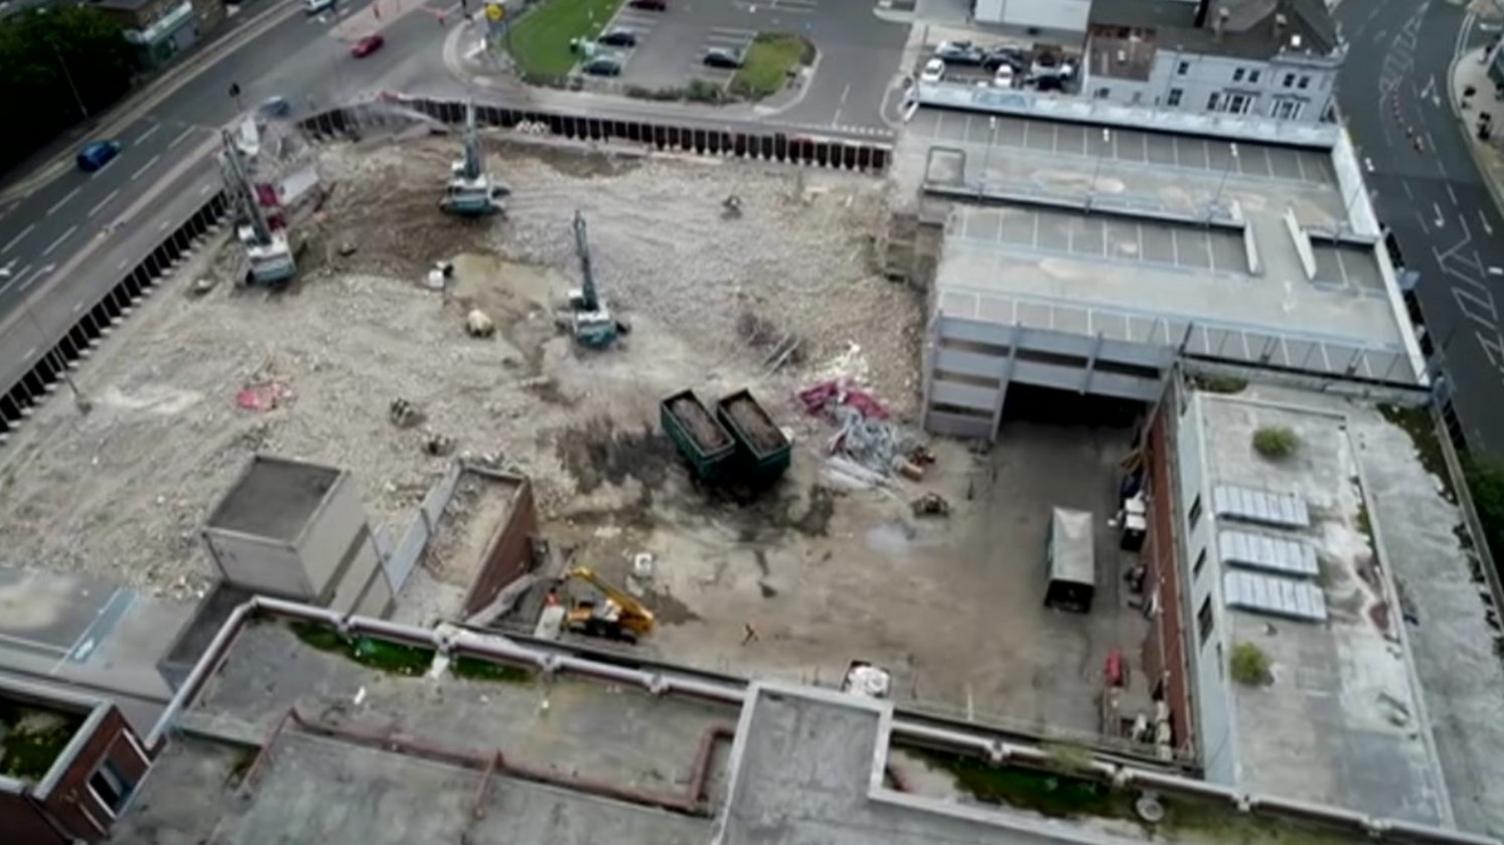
[[1060, 15], [1274, 59]]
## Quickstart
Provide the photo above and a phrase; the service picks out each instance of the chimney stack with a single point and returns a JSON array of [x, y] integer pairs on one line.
[[1221, 23], [1202, 6], [1280, 22]]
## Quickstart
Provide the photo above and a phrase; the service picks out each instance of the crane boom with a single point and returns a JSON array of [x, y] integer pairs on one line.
[[635, 614], [589, 301]]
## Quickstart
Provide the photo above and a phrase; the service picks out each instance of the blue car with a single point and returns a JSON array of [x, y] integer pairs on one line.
[[97, 154]]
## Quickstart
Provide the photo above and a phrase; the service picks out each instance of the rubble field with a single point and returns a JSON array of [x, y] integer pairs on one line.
[[122, 491], [828, 566]]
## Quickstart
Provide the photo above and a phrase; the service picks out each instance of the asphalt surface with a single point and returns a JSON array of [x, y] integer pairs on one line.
[[859, 54], [1431, 196], [302, 58]]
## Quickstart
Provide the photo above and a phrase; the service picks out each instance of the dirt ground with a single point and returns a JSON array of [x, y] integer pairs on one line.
[[122, 492]]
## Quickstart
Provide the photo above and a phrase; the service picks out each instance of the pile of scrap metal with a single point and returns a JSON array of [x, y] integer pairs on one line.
[[867, 446]]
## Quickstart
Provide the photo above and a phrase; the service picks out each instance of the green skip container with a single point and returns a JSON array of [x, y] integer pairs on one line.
[[766, 453], [707, 445]]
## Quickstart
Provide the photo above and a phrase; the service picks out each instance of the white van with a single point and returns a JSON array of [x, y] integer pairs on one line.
[[313, 7]]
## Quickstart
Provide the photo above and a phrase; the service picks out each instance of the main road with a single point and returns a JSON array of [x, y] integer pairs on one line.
[[1431, 195], [304, 59]]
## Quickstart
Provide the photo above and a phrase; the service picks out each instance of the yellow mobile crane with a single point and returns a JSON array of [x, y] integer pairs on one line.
[[615, 615]]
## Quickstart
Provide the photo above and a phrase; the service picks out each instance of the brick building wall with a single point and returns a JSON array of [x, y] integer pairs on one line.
[[510, 553], [1164, 649]]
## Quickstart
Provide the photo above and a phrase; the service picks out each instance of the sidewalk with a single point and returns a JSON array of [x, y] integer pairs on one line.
[[1470, 72]]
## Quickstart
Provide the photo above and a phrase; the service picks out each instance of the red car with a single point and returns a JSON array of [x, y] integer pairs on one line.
[[366, 46]]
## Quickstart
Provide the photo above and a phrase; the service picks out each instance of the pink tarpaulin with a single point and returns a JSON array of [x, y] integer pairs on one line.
[[822, 396]]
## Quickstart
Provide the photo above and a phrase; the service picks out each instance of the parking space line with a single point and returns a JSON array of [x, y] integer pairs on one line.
[[147, 134], [1055, 139], [1174, 247], [1140, 227], [1211, 253], [1036, 230], [1175, 149]]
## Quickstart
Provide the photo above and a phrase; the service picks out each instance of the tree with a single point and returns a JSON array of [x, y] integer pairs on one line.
[[1485, 480], [52, 61]]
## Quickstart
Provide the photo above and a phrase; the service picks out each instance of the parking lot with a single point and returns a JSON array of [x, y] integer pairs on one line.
[[671, 44], [1126, 145], [1147, 241]]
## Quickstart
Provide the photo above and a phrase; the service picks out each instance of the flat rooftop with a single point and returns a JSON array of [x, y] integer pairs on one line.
[[1341, 720], [1145, 236], [274, 498], [334, 771]]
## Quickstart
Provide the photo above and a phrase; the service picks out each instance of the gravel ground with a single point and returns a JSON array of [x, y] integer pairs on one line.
[[122, 491]]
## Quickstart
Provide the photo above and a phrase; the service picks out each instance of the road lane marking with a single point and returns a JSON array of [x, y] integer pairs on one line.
[[35, 276], [163, 226], [17, 238], [147, 134], [15, 278], [1483, 218], [1453, 194], [145, 167], [60, 238], [101, 204], [1441, 222], [59, 204], [77, 307], [181, 138], [1406, 185]]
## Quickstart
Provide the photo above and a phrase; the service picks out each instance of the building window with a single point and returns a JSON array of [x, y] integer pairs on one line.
[[1253, 76], [1204, 619], [1183, 68], [1287, 109], [1195, 515], [1237, 75], [1175, 95], [1237, 103], [1200, 565], [1289, 79], [1103, 92], [1211, 102], [1305, 82]]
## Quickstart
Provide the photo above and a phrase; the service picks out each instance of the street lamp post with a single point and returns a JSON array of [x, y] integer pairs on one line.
[[69, 76]]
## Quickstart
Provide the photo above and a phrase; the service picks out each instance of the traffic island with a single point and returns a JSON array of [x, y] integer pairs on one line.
[[540, 40], [771, 62]]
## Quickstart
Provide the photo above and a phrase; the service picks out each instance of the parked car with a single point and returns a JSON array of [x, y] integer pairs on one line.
[[650, 5], [602, 66], [366, 46], [97, 154], [723, 57], [618, 37], [959, 53], [313, 7], [1014, 57], [934, 71], [1004, 78]]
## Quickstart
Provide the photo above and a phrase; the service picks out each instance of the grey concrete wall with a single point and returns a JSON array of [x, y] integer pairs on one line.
[[1209, 694], [968, 367], [262, 566], [329, 534]]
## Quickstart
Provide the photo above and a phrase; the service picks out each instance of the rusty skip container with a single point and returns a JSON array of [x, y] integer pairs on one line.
[[709, 448], [766, 452]]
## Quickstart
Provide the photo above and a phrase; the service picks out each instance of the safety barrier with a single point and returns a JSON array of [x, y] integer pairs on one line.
[[33, 386], [761, 144]]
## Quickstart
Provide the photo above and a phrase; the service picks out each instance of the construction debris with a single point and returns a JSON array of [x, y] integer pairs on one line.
[[477, 324], [404, 414], [438, 445], [731, 207], [930, 504], [263, 397]]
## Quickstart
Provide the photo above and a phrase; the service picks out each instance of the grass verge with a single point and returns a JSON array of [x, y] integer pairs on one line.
[[540, 41], [766, 67]]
